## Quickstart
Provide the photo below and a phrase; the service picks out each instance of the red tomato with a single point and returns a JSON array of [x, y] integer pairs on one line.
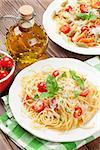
[[65, 29], [84, 93], [84, 28], [83, 8], [0, 64], [42, 87], [3, 74], [27, 98], [55, 73], [78, 112], [71, 37], [38, 106], [54, 103], [69, 8], [7, 62], [98, 3]]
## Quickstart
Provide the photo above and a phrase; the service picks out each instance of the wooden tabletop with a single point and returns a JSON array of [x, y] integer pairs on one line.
[[11, 7]]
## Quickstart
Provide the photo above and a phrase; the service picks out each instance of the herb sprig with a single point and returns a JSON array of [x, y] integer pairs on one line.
[[76, 94], [51, 86], [62, 75], [85, 16], [77, 79]]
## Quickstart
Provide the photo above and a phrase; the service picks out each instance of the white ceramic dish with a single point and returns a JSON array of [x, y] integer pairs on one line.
[[17, 109], [50, 27]]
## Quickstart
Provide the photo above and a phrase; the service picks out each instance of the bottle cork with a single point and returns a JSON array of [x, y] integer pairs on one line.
[[26, 11]]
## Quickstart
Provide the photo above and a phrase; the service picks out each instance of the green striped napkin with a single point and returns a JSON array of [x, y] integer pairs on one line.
[[27, 141]]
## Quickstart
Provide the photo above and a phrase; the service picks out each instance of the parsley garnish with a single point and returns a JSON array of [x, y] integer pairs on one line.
[[62, 75], [76, 94], [85, 16], [51, 86], [1, 56], [77, 79], [68, 110], [36, 97]]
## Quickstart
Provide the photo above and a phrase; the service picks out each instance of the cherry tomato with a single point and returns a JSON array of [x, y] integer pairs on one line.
[[38, 106], [7, 62], [83, 8], [98, 3], [55, 73], [42, 87], [84, 28], [0, 64], [78, 112], [27, 98], [69, 8], [3, 74], [54, 103], [65, 29], [71, 37], [84, 93]]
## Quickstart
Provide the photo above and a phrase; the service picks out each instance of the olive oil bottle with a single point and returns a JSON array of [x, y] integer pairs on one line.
[[26, 41]]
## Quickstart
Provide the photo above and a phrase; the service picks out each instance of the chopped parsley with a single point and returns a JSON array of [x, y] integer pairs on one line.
[[62, 75], [36, 97], [76, 94], [68, 110]]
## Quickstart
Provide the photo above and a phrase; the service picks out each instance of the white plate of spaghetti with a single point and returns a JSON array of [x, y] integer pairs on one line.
[[74, 25], [57, 99]]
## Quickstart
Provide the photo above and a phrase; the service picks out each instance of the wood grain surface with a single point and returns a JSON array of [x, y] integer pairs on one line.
[[11, 7]]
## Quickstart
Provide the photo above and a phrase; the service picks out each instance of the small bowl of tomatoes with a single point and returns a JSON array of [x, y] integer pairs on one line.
[[7, 69]]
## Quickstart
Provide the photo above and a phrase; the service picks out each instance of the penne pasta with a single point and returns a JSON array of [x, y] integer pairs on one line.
[[79, 22], [86, 40]]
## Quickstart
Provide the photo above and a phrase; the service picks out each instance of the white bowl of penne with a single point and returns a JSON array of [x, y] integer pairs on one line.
[[75, 26]]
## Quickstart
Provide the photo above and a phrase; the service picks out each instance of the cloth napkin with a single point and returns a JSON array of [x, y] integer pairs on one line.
[[27, 141]]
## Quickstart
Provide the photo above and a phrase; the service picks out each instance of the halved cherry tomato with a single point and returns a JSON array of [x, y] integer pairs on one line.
[[27, 98], [84, 28], [78, 112], [83, 8], [71, 37], [38, 106], [84, 93], [0, 65], [55, 73], [98, 3], [54, 103], [69, 8], [42, 87], [3, 74], [6, 62], [65, 29]]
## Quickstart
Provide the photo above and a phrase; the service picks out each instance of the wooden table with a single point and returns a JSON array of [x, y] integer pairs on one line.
[[10, 7]]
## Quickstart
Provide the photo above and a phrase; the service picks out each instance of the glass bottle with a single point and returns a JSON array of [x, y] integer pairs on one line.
[[26, 41]]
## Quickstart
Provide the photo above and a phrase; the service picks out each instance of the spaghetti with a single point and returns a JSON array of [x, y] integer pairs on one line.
[[59, 99]]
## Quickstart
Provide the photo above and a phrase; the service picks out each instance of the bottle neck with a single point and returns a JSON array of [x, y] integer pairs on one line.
[[26, 24]]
